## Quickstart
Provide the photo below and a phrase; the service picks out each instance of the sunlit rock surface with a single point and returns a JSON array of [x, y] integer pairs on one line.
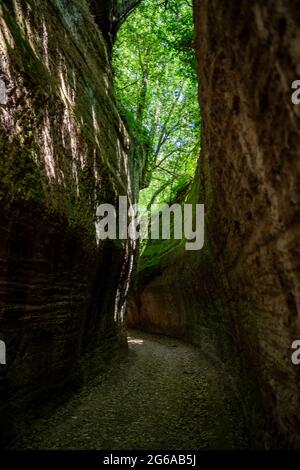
[[64, 150]]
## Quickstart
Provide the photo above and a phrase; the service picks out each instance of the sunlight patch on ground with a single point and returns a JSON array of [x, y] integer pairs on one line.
[[134, 340]]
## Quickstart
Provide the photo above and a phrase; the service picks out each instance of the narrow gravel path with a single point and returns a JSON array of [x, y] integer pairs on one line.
[[163, 395]]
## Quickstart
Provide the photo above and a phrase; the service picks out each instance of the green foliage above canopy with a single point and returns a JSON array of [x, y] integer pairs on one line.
[[156, 87]]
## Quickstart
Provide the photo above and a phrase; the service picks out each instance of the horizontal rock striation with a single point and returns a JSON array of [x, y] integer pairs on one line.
[[64, 150]]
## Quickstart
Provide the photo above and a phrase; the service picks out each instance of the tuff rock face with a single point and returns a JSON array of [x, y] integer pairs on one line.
[[64, 150], [245, 281], [248, 57]]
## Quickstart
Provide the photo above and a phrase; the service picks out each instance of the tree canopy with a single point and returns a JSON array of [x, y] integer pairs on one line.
[[156, 87]]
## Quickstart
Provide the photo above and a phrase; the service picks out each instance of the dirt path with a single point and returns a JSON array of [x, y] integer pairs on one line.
[[163, 395]]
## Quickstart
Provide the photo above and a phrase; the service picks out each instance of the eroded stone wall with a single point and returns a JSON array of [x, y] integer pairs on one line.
[[248, 56], [64, 150]]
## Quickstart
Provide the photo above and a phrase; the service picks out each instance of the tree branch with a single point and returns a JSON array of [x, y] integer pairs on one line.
[[121, 12], [158, 191]]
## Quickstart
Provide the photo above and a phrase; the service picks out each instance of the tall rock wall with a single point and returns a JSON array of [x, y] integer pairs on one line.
[[248, 56], [64, 150]]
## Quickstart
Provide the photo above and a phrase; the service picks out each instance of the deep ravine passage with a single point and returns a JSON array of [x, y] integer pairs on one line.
[[69, 144], [164, 395]]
